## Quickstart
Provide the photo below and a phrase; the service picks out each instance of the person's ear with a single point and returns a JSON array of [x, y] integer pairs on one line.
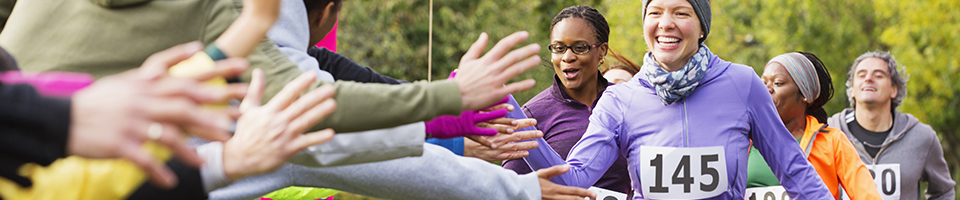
[[603, 50], [895, 90], [329, 11]]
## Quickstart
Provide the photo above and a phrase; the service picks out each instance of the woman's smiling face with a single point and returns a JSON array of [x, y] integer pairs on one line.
[[672, 31]]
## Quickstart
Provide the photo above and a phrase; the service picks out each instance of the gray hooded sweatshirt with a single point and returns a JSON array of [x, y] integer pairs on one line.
[[910, 154]]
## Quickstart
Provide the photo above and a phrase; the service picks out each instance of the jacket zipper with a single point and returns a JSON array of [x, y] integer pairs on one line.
[[686, 132]]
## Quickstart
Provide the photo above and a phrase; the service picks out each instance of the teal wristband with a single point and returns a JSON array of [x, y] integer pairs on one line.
[[214, 52]]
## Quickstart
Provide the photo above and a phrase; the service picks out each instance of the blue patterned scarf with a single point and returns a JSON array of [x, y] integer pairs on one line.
[[673, 86]]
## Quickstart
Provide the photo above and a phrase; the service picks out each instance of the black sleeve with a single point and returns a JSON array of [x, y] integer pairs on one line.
[[33, 128], [189, 185], [345, 69]]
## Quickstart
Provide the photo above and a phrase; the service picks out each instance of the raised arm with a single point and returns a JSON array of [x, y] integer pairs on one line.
[[596, 150]]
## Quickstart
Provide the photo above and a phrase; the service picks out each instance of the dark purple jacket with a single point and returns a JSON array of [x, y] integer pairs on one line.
[[563, 121]]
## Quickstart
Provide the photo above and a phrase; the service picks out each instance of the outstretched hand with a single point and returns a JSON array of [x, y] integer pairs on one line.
[[115, 115], [506, 144], [267, 136], [481, 79], [550, 190]]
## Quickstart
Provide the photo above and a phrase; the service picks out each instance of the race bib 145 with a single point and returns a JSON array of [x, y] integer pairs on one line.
[[682, 173]]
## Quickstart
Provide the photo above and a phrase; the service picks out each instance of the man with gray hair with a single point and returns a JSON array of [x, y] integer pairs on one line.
[[899, 150]]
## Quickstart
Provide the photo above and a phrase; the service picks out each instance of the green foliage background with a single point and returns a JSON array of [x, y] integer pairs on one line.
[[391, 36]]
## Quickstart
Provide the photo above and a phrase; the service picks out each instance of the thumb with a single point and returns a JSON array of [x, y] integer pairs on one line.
[[550, 172]]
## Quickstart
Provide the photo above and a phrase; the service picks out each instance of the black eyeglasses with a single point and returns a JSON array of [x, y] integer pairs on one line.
[[577, 48]]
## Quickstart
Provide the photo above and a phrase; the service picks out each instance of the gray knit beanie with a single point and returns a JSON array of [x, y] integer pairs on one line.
[[701, 7]]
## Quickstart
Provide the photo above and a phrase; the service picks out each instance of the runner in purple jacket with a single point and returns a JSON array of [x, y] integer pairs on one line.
[[686, 120]]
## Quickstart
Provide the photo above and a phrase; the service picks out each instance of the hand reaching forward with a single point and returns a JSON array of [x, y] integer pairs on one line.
[[481, 79], [505, 145], [267, 136], [115, 115], [550, 190]]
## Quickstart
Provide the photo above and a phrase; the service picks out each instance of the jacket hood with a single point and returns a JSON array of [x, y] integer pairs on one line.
[[902, 123], [291, 35], [118, 3]]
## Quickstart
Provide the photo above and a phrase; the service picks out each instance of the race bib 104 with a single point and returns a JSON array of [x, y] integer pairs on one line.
[[766, 193], [887, 179], [682, 173], [605, 194]]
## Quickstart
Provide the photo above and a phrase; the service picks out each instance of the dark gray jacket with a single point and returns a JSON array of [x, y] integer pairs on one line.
[[915, 148]]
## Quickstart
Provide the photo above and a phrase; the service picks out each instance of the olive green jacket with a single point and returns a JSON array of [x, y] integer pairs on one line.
[[104, 37]]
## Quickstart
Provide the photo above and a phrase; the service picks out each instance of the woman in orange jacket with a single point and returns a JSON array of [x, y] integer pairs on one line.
[[800, 85]]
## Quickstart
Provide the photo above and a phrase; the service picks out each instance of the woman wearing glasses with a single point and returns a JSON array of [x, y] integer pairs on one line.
[[578, 43], [686, 121]]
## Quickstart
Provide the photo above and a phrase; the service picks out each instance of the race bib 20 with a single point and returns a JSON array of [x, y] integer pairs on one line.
[[887, 179], [682, 173]]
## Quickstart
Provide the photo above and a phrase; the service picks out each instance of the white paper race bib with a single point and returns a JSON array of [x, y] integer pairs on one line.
[[766, 193], [682, 173], [605, 194], [887, 179]]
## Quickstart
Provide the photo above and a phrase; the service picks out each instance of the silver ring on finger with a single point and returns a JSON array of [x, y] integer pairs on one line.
[[155, 131]]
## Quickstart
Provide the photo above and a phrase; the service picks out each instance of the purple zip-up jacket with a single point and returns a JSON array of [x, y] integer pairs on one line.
[[730, 107], [563, 121]]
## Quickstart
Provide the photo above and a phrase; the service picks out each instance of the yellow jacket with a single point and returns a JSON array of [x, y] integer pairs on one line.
[[81, 178]]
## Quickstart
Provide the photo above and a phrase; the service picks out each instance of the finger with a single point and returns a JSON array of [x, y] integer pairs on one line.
[[221, 134], [517, 87], [505, 121], [291, 91], [160, 175], [500, 106], [519, 136], [182, 112], [480, 140], [307, 102], [518, 61], [313, 116], [506, 130], [185, 87], [487, 116], [519, 146], [236, 90], [158, 63], [254, 91], [476, 48], [506, 44], [483, 131], [172, 138], [524, 123], [550, 172], [576, 193], [510, 155], [230, 67], [313, 138]]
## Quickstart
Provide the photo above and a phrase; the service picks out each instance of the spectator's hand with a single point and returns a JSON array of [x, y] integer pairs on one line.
[[114, 116], [505, 145], [481, 79], [267, 136], [550, 190], [468, 122]]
